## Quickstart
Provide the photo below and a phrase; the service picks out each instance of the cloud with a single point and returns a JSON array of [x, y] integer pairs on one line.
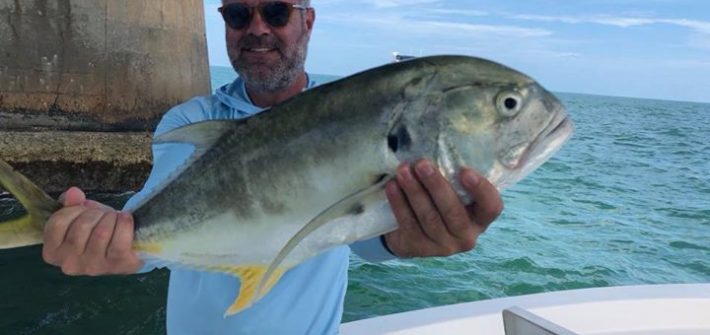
[[614, 21], [484, 29], [397, 3], [439, 28], [702, 27], [460, 12]]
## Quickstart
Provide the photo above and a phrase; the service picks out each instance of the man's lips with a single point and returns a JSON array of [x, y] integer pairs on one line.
[[259, 50], [259, 55]]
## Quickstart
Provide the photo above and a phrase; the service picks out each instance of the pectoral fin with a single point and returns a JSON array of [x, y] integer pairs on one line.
[[250, 278], [354, 204]]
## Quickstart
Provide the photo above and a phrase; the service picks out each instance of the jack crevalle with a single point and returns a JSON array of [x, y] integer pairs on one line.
[[261, 195]]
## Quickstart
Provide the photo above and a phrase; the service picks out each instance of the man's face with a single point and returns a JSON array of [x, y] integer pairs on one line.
[[270, 58]]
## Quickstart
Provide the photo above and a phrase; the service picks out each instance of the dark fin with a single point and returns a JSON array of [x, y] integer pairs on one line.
[[28, 229], [355, 204]]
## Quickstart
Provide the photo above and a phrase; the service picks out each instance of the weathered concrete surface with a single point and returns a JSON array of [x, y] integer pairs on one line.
[[96, 161], [94, 66], [112, 65]]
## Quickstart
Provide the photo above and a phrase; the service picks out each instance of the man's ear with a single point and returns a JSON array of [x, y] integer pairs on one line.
[[310, 18]]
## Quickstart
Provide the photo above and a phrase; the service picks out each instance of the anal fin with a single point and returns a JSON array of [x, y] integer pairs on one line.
[[250, 276]]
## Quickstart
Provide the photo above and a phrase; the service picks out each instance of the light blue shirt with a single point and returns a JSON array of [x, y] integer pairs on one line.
[[307, 300]]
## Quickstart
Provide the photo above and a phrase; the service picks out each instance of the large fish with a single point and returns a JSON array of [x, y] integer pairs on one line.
[[261, 195]]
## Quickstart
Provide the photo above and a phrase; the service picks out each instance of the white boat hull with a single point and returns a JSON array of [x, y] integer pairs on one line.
[[629, 310]]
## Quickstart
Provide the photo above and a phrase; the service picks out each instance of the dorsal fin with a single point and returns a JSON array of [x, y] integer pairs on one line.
[[200, 134]]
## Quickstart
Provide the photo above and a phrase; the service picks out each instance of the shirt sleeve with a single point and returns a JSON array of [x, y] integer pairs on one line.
[[372, 250]]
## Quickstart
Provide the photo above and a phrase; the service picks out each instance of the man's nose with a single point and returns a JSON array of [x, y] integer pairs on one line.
[[258, 26]]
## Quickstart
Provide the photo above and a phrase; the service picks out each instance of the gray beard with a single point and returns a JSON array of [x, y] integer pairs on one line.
[[262, 78]]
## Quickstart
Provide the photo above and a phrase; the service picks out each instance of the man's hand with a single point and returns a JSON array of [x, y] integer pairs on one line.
[[89, 238], [432, 219]]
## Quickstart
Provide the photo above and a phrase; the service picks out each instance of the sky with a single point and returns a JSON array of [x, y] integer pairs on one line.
[[656, 49]]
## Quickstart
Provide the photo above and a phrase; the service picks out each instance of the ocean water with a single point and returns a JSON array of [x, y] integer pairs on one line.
[[626, 202]]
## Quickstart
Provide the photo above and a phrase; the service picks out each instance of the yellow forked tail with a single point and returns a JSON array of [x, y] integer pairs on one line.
[[26, 230]]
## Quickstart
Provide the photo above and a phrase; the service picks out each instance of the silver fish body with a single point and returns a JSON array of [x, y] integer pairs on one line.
[[263, 194]]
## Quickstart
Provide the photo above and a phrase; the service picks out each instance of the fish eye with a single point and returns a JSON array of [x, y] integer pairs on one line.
[[509, 103]]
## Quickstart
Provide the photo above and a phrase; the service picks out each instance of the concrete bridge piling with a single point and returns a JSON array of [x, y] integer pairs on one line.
[[84, 82]]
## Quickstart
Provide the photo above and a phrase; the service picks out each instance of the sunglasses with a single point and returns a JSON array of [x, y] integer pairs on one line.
[[275, 13]]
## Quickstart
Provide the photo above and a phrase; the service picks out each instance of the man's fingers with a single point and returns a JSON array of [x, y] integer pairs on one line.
[[406, 220], [79, 231], [422, 205], [449, 206], [97, 205], [409, 237], [120, 250], [433, 220], [122, 242], [57, 226], [487, 203], [89, 238], [72, 197], [101, 236]]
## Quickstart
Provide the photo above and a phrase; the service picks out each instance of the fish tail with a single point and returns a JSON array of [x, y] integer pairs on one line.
[[26, 230]]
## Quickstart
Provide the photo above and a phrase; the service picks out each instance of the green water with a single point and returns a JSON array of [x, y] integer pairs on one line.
[[626, 202]]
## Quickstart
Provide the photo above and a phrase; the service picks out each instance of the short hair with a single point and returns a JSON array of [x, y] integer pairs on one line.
[[305, 3]]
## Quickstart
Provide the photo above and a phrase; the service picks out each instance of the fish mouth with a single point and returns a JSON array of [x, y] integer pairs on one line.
[[529, 155], [562, 126], [547, 143]]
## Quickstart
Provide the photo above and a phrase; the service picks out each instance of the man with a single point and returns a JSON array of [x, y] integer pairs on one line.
[[267, 45]]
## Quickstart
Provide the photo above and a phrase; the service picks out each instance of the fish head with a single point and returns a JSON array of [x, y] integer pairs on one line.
[[496, 120]]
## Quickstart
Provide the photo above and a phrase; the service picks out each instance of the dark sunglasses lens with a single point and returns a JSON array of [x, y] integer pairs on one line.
[[236, 15], [276, 14]]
